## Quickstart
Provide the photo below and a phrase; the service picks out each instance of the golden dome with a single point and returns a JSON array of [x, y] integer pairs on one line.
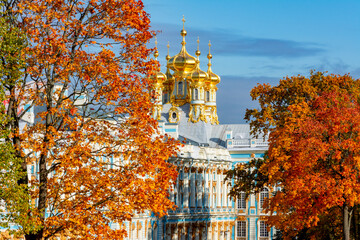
[[183, 61], [213, 78], [198, 75], [158, 77]]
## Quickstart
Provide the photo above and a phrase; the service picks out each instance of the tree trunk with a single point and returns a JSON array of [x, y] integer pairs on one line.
[[356, 220], [346, 222]]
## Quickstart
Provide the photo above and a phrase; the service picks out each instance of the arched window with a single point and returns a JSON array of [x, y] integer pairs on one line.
[[181, 174], [165, 99], [208, 96], [181, 195], [263, 195], [196, 192], [196, 94], [189, 193], [180, 88], [155, 232], [203, 202], [175, 195]]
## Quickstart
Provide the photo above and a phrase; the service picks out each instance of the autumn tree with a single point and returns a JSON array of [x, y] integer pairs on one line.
[[13, 189], [313, 156], [78, 109]]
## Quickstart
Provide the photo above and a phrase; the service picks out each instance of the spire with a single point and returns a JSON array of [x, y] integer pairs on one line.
[[168, 74], [167, 56], [156, 53], [198, 75], [215, 79], [183, 32], [183, 20], [197, 53], [209, 56], [158, 76]]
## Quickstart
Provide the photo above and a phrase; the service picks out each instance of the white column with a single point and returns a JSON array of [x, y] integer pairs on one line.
[[228, 231], [193, 192], [199, 190], [211, 189], [252, 223], [186, 189], [206, 189], [218, 188], [177, 192], [209, 233]]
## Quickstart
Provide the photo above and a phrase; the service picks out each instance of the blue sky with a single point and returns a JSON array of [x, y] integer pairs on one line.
[[260, 41]]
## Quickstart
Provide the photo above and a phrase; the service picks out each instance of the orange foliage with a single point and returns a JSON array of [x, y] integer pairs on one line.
[[314, 150], [100, 159]]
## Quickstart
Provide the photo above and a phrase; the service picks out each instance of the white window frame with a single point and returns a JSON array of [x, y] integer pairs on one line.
[[263, 195], [263, 232], [241, 201], [241, 229]]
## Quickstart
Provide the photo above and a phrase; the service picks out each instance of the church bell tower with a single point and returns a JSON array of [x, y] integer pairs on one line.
[[185, 83]]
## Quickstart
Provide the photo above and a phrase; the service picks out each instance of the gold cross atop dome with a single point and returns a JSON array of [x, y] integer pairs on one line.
[[209, 56], [183, 32], [183, 20], [167, 56]]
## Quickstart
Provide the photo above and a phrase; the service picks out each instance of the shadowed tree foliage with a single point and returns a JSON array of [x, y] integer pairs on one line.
[[247, 178]]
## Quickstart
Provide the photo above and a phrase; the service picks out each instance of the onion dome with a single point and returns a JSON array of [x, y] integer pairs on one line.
[[183, 61], [198, 75], [159, 77], [213, 78]]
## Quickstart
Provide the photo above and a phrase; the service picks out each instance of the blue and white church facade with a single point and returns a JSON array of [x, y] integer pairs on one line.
[[186, 110]]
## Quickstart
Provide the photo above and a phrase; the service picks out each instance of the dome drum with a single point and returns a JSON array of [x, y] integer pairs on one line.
[[210, 104], [198, 102]]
